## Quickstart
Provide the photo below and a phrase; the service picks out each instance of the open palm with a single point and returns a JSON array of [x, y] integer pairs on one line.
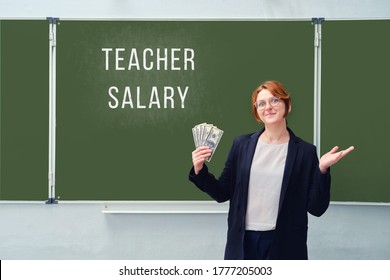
[[332, 157]]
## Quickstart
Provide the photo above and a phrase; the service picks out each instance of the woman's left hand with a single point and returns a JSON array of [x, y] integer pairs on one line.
[[332, 157]]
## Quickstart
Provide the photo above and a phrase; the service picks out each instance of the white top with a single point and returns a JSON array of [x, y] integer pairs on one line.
[[265, 183]]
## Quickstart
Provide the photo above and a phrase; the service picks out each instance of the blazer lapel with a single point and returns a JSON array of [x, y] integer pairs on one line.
[[291, 155]]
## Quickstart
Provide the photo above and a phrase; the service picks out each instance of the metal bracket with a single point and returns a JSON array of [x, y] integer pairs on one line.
[[317, 20], [51, 201], [53, 20]]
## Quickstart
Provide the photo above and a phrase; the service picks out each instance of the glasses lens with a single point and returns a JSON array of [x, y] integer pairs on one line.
[[260, 105], [274, 101]]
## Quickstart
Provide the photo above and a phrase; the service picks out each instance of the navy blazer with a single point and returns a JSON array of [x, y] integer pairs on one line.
[[304, 189]]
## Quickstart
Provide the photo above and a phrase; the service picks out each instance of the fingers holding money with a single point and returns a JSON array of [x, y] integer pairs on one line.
[[199, 155], [206, 139], [207, 135]]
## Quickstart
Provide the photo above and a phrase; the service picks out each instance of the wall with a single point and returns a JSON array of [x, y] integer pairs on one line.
[[80, 230], [184, 9]]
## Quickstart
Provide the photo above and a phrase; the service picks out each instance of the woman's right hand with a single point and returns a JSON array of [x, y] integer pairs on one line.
[[199, 156]]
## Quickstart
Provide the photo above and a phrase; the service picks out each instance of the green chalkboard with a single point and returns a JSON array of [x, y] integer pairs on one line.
[[24, 99], [187, 72], [355, 107]]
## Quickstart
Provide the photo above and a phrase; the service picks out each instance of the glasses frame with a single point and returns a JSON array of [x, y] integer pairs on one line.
[[269, 102]]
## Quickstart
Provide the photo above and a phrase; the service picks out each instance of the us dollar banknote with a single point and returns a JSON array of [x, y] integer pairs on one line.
[[205, 134]]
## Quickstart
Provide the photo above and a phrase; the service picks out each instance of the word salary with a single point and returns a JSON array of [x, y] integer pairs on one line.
[[165, 98]]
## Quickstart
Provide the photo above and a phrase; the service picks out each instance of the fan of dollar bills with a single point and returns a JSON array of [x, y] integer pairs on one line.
[[207, 135]]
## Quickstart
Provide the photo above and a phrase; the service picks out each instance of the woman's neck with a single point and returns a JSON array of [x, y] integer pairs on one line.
[[275, 135]]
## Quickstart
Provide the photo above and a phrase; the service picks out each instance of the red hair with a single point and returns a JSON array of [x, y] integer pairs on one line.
[[277, 90]]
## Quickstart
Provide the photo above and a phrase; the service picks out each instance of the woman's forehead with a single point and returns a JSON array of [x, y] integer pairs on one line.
[[264, 94]]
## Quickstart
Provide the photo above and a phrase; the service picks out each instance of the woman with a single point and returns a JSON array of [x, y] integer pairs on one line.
[[272, 179]]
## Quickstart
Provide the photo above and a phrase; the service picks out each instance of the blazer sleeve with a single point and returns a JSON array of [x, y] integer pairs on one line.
[[319, 191], [219, 189]]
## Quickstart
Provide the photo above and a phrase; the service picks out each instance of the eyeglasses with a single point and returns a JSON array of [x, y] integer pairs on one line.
[[273, 101]]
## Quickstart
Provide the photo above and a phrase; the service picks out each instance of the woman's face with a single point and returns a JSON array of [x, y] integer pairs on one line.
[[270, 109]]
